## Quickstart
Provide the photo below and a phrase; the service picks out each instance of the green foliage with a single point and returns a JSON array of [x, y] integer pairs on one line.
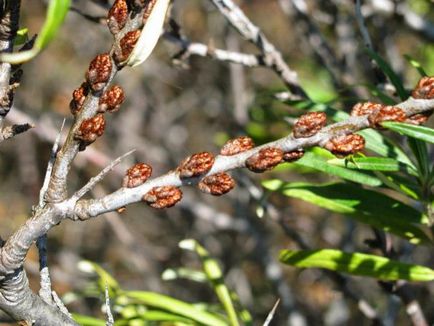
[[357, 264], [364, 205], [381, 189], [56, 12], [418, 132], [141, 307]]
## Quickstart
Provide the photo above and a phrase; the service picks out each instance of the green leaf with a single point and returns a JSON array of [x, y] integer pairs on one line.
[[88, 321], [388, 71], [418, 132], [56, 12], [368, 163], [105, 279], [185, 273], [416, 64], [158, 315], [357, 264], [215, 276], [21, 37], [366, 206], [420, 152], [315, 162], [175, 306], [379, 144]]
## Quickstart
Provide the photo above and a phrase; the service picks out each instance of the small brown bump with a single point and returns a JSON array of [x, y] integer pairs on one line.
[[127, 44], [424, 89], [196, 165], [293, 155], [217, 184], [90, 130], [386, 113], [419, 118], [117, 16], [264, 160], [78, 98], [345, 145], [237, 145], [99, 72], [309, 124], [121, 209], [137, 175], [163, 197], [111, 100], [365, 108], [149, 6]]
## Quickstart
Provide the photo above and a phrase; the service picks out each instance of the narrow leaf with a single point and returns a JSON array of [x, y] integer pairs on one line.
[[357, 264], [368, 163], [379, 144], [416, 64], [215, 276], [104, 277], [366, 206], [88, 321], [418, 132], [315, 162], [181, 308], [388, 71], [56, 12], [185, 273]]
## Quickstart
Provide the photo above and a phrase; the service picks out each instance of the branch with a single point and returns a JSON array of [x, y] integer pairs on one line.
[[9, 75], [11, 131], [85, 209], [271, 56], [100, 74]]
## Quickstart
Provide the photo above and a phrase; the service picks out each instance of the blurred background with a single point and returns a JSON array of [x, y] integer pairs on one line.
[[174, 108]]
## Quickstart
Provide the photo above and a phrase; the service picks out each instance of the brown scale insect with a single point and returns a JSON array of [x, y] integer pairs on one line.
[[345, 145], [217, 184], [264, 160], [117, 16], [149, 6], [419, 118], [137, 175], [90, 130], [386, 113], [99, 72], [163, 197], [365, 108], [424, 89], [126, 44], [111, 100], [78, 98], [293, 155], [309, 124], [196, 165], [237, 145]]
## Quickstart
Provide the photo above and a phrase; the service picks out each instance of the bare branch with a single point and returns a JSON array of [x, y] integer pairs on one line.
[[11, 131], [272, 57], [110, 320]]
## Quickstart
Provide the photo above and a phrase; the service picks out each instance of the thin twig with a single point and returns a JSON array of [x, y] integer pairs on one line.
[[271, 56], [272, 313], [93, 181], [110, 320]]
